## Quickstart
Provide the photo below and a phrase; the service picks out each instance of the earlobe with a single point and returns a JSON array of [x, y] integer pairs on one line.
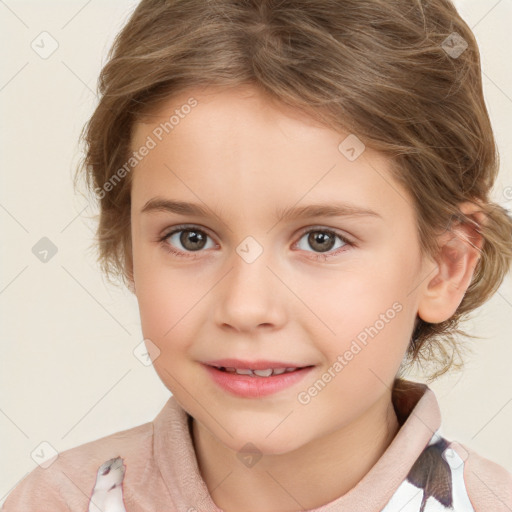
[[460, 250]]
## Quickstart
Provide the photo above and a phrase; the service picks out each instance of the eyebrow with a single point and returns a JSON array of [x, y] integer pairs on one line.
[[158, 204]]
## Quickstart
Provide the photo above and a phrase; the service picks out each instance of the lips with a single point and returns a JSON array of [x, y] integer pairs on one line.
[[252, 385]]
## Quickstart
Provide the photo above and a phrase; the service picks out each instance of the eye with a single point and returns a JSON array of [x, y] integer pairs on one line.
[[190, 238], [193, 240], [323, 241]]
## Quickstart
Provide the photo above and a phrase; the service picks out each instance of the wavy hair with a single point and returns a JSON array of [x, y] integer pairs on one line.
[[390, 71]]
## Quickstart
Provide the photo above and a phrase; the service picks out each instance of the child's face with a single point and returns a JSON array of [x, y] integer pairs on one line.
[[235, 154]]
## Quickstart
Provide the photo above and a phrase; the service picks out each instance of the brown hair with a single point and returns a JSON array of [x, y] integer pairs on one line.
[[390, 71]]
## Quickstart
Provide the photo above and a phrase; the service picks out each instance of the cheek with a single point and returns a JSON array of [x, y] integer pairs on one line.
[[168, 321], [369, 316], [164, 298], [161, 293], [354, 297]]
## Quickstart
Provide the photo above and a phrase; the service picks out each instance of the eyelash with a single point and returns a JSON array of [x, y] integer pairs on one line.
[[316, 256]]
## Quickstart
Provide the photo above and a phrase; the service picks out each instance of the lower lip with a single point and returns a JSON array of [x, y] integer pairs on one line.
[[255, 387]]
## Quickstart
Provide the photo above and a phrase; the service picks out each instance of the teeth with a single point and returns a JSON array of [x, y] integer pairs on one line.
[[263, 373], [243, 371], [259, 373]]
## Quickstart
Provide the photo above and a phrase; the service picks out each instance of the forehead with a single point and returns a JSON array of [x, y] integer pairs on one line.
[[241, 142], [235, 113], [218, 96]]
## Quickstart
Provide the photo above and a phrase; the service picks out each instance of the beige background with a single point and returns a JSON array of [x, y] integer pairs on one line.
[[67, 370]]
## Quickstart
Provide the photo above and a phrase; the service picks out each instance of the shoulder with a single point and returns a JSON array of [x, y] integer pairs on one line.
[[489, 485], [67, 483]]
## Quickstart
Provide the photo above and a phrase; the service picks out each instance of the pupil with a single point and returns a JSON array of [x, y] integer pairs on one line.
[[192, 240], [318, 239]]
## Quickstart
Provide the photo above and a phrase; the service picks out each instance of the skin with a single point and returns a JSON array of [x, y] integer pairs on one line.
[[286, 305]]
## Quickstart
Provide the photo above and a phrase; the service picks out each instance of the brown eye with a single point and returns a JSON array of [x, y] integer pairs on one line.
[[321, 241], [183, 240], [192, 239]]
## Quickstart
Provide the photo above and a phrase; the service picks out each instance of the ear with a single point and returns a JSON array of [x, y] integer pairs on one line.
[[459, 253]]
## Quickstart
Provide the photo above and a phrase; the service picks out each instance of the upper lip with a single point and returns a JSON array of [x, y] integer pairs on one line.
[[253, 365]]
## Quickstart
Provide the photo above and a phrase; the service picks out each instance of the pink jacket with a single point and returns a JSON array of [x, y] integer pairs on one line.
[[419, 472]]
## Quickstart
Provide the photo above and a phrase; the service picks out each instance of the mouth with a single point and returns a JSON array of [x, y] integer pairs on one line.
[[256, 368], [267, 372], [255, 379]]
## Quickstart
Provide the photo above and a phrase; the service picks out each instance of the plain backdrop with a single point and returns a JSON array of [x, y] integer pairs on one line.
[[68, 373]]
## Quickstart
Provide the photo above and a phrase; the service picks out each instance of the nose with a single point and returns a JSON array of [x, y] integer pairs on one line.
[[251, 295]]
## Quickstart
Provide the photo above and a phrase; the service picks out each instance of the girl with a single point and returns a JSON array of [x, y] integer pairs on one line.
[[233, 139]]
